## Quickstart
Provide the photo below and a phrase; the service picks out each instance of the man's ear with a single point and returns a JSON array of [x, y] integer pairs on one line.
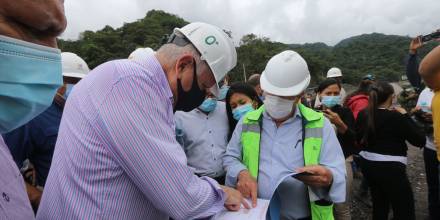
[[184, 69], [183, 64], [298, 98]]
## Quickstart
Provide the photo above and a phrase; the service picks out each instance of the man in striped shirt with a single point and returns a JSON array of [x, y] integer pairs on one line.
[[116, 155]]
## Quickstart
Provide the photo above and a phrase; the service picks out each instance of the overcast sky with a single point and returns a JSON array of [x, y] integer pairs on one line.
[[287, 21]]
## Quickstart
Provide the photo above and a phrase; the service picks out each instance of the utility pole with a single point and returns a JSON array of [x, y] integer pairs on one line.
[[244, 73]]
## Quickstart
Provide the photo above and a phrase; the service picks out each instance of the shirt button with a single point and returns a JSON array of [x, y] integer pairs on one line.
[[5, 197], [210, 132], [212, 145]]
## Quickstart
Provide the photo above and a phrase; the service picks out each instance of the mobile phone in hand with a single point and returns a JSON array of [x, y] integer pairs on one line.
[[430, 37], [296, 175]]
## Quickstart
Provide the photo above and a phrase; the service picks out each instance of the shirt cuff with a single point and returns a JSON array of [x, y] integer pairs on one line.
[[220, 198], [232, 174], [337, 193]]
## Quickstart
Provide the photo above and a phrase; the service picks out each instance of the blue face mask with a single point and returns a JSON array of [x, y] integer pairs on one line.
[[69, 88], [425, 107], [240, 111], [223, 92], [30, 75], [330, 101], [208, 105]]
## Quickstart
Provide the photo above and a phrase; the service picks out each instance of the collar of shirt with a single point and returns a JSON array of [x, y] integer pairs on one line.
[[207, 114], [152, 63]]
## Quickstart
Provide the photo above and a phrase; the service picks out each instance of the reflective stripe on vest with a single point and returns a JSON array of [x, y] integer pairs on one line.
[[313, 132]]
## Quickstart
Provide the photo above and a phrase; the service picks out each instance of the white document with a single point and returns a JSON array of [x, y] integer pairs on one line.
[[257, 213]]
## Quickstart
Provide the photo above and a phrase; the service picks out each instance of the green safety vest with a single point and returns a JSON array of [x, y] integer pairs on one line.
[[313, 123]]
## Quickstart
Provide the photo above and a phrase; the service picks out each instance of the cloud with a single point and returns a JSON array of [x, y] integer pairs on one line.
[[288, 21]]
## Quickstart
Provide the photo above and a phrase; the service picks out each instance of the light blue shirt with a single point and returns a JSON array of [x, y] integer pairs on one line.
[[204, 138], [281, 153]]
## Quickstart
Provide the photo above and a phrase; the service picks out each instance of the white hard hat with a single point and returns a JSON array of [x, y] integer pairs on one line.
[[141, 53], [214, 45], [73, 65], [334, 72], [286, 74]]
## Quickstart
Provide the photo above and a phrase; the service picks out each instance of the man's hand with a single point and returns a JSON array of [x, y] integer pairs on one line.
[[248, 186], [234, 199], [321, 176], [37, 21], [427, 116], [416, 43]]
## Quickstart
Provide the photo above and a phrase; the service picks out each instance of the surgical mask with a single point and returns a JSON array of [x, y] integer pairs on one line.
[[187, 101], [29, 79], [261, 98], [240, 111], [223, 92], [330, 101], [208, 105], [69, 88], [278, 107]]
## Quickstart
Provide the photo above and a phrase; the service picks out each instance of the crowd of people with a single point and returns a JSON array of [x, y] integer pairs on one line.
[[165, 135]]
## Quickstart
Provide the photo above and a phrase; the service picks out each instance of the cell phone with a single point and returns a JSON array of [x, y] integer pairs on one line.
[[431, 36], [302, 174]]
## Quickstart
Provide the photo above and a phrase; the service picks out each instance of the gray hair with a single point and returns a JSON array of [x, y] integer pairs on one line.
[[172, 52]]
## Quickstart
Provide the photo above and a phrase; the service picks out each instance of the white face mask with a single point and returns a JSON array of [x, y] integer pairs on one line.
[[278, 107]]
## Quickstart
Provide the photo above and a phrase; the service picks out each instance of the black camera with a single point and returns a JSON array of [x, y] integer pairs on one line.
[[430, 37]]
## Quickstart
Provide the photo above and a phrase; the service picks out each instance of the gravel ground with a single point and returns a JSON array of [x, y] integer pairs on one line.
[[361, 207]]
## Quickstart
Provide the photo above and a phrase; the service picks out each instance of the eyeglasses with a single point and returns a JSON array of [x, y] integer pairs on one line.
[[180, 41]]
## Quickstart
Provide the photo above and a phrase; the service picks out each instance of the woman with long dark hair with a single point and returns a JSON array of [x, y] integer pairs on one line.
[[240, 99], [358, 100], [382, 132]]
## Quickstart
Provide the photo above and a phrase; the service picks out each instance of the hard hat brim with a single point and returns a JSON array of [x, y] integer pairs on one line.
[[291, 91], [335, 75], [74, 75]]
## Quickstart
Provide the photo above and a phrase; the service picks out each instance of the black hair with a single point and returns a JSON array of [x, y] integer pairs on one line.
[[242, 88], [326, 83], [363, 89], [379, 93], [254, 80]]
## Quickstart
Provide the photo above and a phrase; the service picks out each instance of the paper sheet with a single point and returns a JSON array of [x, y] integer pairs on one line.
[[257, 213]]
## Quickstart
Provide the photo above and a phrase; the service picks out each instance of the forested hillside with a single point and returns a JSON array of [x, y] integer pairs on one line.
[[379, 54]]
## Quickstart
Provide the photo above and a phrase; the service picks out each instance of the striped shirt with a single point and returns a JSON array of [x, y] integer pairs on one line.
[[14, 201], [116, 155]]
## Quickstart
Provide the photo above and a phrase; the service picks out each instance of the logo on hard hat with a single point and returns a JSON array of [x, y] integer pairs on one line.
[[210, 40]]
